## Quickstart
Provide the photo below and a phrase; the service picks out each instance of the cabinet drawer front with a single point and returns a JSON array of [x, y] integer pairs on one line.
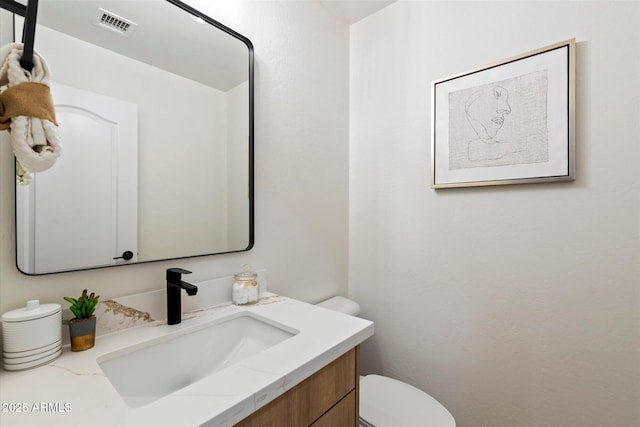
[[322, 390], [343, 414]]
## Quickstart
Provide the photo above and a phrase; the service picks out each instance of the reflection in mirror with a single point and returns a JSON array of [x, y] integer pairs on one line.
[[155, 114]]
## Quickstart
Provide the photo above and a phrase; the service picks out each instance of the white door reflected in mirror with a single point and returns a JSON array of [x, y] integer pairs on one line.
[[86, 205]]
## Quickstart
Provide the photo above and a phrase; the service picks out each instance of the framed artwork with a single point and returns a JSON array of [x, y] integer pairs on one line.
[[510, 122]]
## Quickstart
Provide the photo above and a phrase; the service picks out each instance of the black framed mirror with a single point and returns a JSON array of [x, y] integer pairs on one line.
[[154, 102]]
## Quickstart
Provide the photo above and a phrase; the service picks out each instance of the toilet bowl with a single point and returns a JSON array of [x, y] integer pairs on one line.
[[386, 402]]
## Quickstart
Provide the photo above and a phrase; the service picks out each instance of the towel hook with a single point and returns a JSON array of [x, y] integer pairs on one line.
[[30, 12], [14, 7], [29, 35]]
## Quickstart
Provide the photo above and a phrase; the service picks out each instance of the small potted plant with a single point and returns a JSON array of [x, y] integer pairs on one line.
[[82, 329]]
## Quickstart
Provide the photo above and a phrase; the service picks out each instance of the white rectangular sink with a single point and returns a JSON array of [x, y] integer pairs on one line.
[[148, 371]]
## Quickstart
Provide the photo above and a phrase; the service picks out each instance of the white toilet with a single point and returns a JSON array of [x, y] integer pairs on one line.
[[385, 402]]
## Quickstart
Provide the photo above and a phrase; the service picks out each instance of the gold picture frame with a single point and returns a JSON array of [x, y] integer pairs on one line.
[[509, 122]]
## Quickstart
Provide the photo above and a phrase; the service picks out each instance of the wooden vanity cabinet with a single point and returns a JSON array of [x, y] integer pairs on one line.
[[328, 398]]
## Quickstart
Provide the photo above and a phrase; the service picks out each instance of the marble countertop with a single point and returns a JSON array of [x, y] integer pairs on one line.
[[73, 391]]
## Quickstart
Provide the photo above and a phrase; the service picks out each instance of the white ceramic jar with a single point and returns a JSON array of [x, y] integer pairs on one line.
[[31, 335]]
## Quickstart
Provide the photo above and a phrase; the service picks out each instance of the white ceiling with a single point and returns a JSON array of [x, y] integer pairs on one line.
[[166, 37], [351, 11]]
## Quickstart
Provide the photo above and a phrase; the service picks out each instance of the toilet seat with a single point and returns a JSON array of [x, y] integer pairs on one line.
[[385, 402]]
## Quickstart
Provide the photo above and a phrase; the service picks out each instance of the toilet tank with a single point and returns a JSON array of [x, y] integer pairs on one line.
[[342, 305]]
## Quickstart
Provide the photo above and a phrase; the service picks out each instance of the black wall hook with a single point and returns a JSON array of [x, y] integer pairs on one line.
[[14, 6], [29, 35], [30, 12]]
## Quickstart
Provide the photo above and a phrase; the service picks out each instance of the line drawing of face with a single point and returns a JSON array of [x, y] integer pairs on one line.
[[486, 110]]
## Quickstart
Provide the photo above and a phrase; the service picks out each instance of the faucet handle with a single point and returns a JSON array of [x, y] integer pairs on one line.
[[176, 273]]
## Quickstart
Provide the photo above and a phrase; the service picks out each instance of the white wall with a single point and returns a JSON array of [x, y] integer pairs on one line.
[[301, 167], [518, 305]]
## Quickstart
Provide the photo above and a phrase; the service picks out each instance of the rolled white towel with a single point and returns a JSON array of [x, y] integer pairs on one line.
[[34, 140]]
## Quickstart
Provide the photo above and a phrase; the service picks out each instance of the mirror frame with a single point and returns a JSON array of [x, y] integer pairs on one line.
[[20, 9]]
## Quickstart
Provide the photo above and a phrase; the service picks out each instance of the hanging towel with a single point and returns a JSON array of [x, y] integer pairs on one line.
[[27, 112]]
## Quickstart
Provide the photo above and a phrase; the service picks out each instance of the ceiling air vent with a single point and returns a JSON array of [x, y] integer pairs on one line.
[[112, 22]]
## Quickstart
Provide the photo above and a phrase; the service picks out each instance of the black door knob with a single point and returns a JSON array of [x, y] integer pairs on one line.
[[126, 255]]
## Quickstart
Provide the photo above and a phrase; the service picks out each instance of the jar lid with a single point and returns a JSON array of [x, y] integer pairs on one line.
[[247, 273], [33, 310]]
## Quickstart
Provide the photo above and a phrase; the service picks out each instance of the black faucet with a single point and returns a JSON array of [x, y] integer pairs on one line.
[[174, 285]]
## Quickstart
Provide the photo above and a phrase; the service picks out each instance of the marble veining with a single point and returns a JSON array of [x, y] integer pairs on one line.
[[113, 316], [117, 308], [71, 371]]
